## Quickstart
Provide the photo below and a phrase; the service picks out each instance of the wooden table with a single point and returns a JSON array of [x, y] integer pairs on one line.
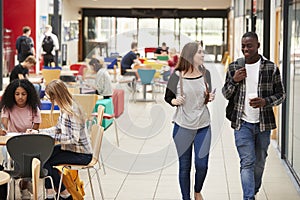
[[4, 138], [46, 118], [4, 177], [68, 72]]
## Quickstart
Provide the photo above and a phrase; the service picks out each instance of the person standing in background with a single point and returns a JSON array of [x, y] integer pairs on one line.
[[49, 45], [25, 45]]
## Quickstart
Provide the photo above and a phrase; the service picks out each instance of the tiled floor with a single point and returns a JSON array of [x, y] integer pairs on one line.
[[145, 165]]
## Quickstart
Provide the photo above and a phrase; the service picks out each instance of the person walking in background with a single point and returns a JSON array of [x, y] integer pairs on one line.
[[74, 144], [129, 59], [256, 87], [187, 89], [20, 111], [49, 46], [21, 71], [25, 45]]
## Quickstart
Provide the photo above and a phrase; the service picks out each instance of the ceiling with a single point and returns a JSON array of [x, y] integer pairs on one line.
[[170, 4]]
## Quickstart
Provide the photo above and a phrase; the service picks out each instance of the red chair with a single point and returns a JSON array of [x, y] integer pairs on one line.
[[78, 67], [149, 50]]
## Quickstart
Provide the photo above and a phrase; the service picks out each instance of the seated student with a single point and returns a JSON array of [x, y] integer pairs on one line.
[[71, 132], [173, 59], [21, 71], [100, 82], [129, 59], [161, 51], [19, 112]]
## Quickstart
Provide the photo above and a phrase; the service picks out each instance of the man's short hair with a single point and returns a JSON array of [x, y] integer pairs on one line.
[[30, 59], [26, 29], [133, 45], [251, 35], [164, 44]]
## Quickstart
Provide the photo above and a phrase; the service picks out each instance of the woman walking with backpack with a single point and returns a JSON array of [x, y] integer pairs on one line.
[[188, 90]]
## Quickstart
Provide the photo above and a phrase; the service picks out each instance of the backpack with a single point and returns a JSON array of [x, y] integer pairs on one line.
[[48, 44], [25, 46], [72, 182]]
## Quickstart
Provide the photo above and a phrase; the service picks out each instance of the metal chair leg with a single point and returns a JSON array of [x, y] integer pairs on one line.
[[91, 184], [116, 131], [102, 163], [99, 184], [60, 182]]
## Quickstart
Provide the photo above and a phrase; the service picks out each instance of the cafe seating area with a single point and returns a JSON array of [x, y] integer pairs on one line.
[[137, 157]]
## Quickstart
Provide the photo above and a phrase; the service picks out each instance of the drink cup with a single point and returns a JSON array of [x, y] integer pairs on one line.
[[252, 96]]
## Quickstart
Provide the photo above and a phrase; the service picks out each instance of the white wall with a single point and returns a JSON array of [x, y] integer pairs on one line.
[[70, 13]]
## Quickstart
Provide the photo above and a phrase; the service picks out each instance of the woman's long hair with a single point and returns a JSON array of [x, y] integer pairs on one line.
[[8, 98], [58, 92], [186, 59]]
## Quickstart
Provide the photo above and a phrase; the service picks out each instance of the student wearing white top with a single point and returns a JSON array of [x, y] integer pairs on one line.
[[256, 88]]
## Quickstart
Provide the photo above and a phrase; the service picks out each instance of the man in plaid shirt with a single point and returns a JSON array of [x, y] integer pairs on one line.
[[256, 87]]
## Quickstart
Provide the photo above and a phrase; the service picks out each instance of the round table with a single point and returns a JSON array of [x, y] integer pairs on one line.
[[4, 177]]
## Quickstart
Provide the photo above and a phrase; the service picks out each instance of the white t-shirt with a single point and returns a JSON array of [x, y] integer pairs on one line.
[[251, 114]]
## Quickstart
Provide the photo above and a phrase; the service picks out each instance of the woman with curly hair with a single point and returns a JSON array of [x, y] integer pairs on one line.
[[19, 112]]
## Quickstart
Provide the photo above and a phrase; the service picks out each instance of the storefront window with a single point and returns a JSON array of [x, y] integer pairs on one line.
[[295, 85], [126, 33], [147, 33], [104, 35], [167, 33]]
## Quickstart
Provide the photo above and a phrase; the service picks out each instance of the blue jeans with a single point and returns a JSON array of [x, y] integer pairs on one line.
[[63, 157], [184, 140], [252, 146]]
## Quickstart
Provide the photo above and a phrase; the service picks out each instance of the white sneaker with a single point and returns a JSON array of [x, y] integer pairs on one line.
[[25, 194]]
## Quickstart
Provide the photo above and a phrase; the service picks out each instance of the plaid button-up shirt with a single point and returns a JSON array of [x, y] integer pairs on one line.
[[71, 133], [269, 87]]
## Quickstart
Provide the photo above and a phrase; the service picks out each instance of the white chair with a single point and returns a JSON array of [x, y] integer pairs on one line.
[[96, 140]]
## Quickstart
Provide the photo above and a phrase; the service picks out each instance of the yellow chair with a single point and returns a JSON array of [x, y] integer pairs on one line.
[[50, 74], [87, 102], [47, 122]]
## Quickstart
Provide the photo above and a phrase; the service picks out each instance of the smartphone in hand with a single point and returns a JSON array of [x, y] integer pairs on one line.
[[214, 91]]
